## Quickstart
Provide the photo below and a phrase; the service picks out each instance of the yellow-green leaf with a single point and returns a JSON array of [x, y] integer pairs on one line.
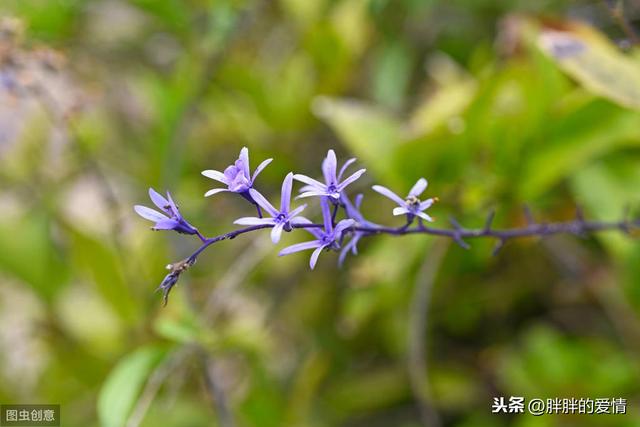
[[595, 63]]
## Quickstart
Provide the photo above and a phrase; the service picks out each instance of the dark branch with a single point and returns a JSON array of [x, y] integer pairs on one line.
[[458, 233]]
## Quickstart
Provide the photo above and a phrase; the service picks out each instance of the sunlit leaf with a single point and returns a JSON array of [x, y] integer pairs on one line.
[[454, 92], [594, 62], [30, 257], [589, 132], [102, 264], [368, 131], [124, 384]]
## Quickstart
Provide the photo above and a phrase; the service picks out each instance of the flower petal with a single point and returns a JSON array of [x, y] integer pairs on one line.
[[276, 232], [345, 166], [316, 232], [400, 211], [314, 257], [300, 247], [426, 204], [263, 202], [305, 188], [297, 210], [259, 169], [389, 194], [148, 213], [217, 175], [326, 215], [329, 165], [174, 208], [215, 191], [424, 216], [253, 220], [355, 240], [343, 225], [300, 220], [350, 246], [311, 194], [285, 194], [244, 159], [166, 224], [158, 200], [418, 187], [310, 181], [352, 178]]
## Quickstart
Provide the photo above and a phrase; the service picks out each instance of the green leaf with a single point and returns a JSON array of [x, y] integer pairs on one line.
[[592, 131], [103, 265], [391, 74], [31, 258], [605, 191], [369, 132], [594, 62], [123, 385], [453, 93]]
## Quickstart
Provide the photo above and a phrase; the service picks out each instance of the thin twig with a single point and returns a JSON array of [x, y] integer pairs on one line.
[[155, 381], [235, 274], [218, 396], [418, 321], [458, 233]]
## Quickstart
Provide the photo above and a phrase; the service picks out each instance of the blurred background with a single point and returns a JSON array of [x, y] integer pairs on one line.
[[498, 103]]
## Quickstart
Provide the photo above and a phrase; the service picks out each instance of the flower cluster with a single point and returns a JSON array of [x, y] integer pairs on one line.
[[330, 234]]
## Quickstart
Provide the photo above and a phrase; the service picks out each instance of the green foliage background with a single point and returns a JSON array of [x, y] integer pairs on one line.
[[149, 93]]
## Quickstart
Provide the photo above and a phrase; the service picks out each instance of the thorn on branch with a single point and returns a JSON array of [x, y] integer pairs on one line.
[[578, 229], [528, 216], [624, 225], [455, 223], [579, 225], [460, 242], [489, 221], [499, 244], [457, 237]]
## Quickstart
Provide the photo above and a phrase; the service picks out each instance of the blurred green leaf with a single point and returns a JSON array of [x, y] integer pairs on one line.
[[31, 255], [123, 385], [377, 389], [391, 74], [595, 62], [368, 131], [454, 92], [549, 363], [590, 131], [101, 262]]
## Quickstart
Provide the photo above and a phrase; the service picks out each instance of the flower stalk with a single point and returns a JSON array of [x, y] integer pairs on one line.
[[333, 233]]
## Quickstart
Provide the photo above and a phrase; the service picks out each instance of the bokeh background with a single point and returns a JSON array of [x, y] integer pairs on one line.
[[498, 103]]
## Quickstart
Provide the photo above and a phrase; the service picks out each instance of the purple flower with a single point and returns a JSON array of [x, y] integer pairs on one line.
[[236, 177], [281, 219], [170, 219], [333, 184], [328, 238], [353, 212], [411, 205]]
